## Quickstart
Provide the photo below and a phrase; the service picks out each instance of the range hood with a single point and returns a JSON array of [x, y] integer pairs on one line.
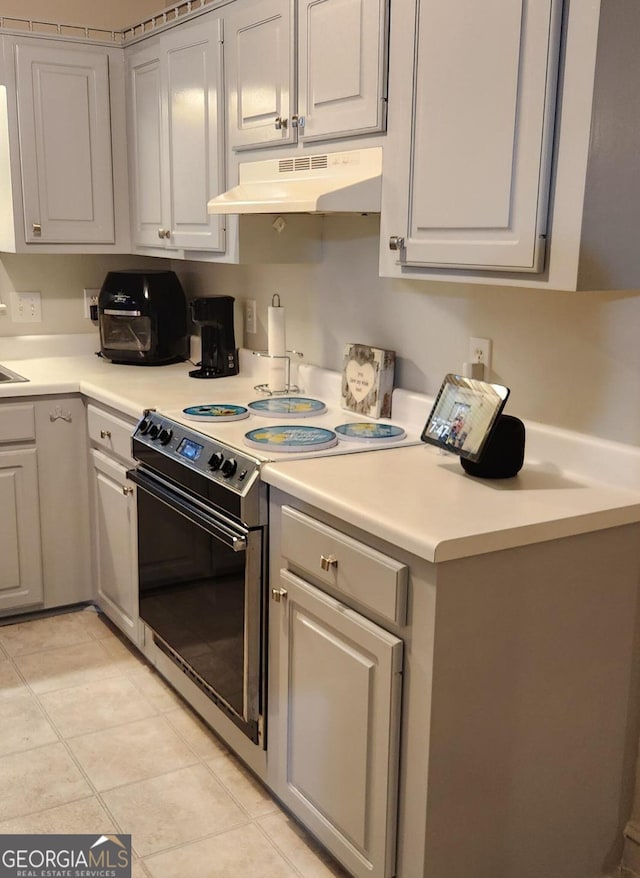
[[337, 182]]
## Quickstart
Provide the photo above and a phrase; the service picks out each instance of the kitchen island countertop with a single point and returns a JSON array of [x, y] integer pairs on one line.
[[414, 497]]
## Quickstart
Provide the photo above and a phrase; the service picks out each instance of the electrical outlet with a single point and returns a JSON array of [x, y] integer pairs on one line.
[[480, 352], [250, 324], [90, 298], [25, 307]]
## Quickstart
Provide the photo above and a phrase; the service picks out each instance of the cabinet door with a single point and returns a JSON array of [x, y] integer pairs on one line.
[[62, 472], [260, 73], [195, 122], [20, 553], [150, 193], [484, 97], [115, 543], [342, 67], [65, 144], [339, 687]]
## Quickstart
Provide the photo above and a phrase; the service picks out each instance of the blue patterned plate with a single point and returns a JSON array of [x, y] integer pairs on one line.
[[291, 438], [291, 406], [368, 432], [216, 411]]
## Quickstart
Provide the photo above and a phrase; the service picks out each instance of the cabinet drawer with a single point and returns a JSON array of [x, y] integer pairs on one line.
[[110, 433], [372, 579], [17, 423]]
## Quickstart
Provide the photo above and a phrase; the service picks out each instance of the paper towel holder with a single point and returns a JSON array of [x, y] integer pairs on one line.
[[288, 387]]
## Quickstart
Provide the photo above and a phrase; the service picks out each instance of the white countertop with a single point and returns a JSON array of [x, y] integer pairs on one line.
[[415, 497], [421, 499]]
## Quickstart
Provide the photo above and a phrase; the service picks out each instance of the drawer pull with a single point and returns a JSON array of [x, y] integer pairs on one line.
[[328, 562], [277, 594], [105, 434]]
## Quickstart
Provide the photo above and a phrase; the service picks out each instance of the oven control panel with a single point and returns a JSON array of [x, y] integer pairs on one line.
[[210, 458]]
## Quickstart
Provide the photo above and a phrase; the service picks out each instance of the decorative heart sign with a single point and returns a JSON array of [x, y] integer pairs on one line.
[[360, 379], [367, 380]]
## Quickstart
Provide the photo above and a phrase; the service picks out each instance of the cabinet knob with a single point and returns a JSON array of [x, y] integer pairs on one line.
[[278, 594], [297, 121], [36, 228], [396, 243], [105, 434], [164, 233], [280, 123], [328, 562], [127, 490]]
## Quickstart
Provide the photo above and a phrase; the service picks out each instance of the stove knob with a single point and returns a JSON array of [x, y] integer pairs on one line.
[[164, 436], [154, 430], [229, 467], [216, 460], [145, 425]]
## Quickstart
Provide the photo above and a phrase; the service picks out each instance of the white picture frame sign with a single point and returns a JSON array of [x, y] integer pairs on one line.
[[367, 380]]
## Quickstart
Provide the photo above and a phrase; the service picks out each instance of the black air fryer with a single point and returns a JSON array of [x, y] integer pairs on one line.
[[143, 318]]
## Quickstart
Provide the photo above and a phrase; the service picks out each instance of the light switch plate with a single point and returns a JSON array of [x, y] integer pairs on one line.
[[25, 307]]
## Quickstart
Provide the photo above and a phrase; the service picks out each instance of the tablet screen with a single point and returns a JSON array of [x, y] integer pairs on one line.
[[463, 415]]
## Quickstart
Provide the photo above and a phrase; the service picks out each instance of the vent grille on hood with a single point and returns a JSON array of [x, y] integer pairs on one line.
[[305, 163], [338, 182]]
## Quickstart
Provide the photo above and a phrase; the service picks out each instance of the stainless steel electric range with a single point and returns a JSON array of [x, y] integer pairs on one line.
[[202, 528]]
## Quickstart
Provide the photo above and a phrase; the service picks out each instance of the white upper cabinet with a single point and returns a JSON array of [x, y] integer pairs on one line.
[[145, 138], [260, 73], [485, 79], [342, 67], [511, 156], [478, 162], [66, 180], [56, 147], [176, 137], [336, 89]]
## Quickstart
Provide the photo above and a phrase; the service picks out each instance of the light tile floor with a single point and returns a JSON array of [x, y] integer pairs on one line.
[[93, 740]]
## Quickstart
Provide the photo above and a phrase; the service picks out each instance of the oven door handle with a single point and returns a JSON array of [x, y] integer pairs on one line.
[[181, 504]]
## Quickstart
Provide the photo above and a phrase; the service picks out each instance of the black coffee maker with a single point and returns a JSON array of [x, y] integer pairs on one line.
[[219, 353]]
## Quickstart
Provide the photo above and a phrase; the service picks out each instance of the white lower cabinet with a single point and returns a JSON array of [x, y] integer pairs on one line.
[[337, 728], [115, 543], [114, 519], [20, 554], [43, 504]]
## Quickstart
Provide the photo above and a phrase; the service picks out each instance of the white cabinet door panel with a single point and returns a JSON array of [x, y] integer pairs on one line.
[[340, 678], [195, 128], [146, 131], [341, 67], [115, 536], [484, 91], [260, 73], [65, 145], [20, 552]]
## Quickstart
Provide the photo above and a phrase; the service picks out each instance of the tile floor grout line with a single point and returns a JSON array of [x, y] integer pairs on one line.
[[278, 849], [199, 838], [115, 725]]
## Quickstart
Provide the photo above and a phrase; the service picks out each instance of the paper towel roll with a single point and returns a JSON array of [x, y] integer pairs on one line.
[[277, 347]]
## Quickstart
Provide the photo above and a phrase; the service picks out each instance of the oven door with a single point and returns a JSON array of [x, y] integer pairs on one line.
[[201, 594]]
